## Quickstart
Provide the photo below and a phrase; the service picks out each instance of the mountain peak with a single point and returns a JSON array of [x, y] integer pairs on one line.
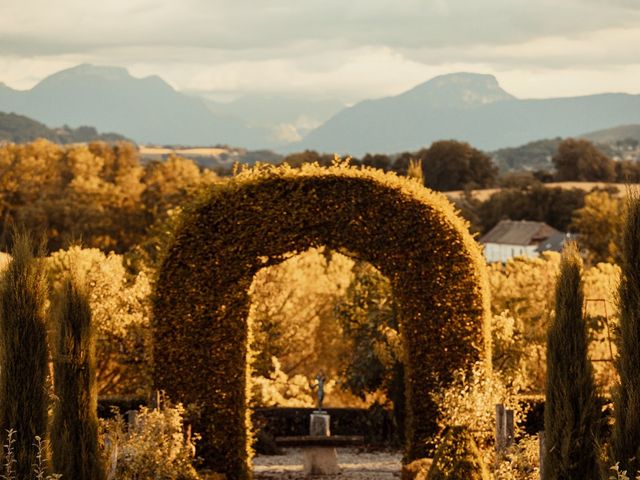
[[459, 90], [109, 77], [86, 70]]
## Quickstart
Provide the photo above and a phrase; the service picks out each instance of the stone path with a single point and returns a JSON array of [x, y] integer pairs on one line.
[[356, 465]]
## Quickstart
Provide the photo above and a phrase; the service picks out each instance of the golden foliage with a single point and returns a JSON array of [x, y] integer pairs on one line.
[[99, 193], [458, 457], [153, 447], [522, 305], [120, 315], [292, 314], [410, 234]]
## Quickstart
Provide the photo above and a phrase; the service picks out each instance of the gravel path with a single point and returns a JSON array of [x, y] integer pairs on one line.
[[356, 465]]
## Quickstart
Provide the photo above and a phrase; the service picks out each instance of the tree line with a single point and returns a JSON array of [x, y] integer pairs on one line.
[[98, 194], [452, 165], [105, 196]]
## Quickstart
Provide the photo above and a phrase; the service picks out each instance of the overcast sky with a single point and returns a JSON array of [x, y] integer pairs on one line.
[[349, 49]]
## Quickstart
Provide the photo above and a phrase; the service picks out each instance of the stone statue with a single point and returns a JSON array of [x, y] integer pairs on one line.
[[320, 379]]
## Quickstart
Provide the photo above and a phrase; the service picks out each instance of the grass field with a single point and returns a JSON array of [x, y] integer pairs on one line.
[[484, 194]]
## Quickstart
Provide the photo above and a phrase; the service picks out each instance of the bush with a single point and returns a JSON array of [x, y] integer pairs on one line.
[[520, 461], [471, 400], [152, 447], [458, 457], [416, 470]]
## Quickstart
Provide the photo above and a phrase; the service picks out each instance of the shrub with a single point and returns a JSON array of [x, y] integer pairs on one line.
[[520, 461], [471, 400], [458, 457], [23, 353], [152, 447], [74, 429], [416, 470]]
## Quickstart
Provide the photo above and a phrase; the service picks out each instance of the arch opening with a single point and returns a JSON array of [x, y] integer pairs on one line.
[[321, 312]]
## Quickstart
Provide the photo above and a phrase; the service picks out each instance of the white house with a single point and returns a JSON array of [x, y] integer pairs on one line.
[[511, 238]]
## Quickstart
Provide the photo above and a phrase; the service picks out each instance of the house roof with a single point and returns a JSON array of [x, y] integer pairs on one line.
[[522, 232], [555, 242]]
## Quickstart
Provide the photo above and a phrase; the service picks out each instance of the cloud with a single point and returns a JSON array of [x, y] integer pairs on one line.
[[352, 49], [73, 26]]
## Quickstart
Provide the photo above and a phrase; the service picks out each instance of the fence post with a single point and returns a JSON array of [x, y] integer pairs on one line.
[[112, 461], [132, 419], [156, 400], [505, 427], [500, 426], [509, 428]]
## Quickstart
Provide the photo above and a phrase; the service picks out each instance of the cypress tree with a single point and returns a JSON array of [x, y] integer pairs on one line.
[[23, 353], [74, 428], [626, 430], [571, 411]]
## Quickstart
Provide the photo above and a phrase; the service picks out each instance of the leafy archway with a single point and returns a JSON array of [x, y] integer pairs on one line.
[[410, 234]]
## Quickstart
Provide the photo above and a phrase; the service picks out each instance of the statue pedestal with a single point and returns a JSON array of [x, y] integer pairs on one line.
[[319, 423], [320, 460]]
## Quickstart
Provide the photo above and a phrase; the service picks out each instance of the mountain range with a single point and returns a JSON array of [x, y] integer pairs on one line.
[[147, 110], [467, 107], [463, 106]]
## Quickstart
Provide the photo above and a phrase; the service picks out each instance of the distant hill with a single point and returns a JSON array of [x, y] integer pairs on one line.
[[468, 107], [148, 110], [529, 157], [19, 129], [615, 134], [620, 143]]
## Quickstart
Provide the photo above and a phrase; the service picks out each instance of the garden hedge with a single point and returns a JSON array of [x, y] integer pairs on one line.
[[267, 214]]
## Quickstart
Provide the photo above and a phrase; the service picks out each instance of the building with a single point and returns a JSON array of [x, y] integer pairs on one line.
[[511, 238]]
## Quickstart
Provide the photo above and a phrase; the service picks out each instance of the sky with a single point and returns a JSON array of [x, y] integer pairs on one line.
[[343, 49]]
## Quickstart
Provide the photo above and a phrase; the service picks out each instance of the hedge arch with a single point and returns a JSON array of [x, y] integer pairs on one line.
[[410, 234]]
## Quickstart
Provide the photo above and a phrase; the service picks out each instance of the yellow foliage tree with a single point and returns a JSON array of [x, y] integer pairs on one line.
[[522, 305], [599, 224], [292, 314], [120, 306]]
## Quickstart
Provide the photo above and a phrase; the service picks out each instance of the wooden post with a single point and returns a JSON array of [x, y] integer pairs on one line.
[[500, 423], [505, 428], [509, 428], [156, 400], [112, 458], [542, 453], [132, 419]]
